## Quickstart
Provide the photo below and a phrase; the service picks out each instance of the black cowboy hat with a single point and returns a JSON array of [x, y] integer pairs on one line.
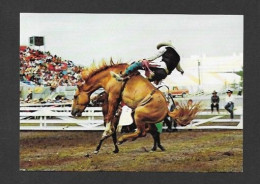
[[214, 92], [229, 91]]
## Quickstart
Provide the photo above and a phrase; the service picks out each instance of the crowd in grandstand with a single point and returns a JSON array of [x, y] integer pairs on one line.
[[45, 69]]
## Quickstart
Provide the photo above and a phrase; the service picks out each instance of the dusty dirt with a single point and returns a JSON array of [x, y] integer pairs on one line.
[[186, 151]]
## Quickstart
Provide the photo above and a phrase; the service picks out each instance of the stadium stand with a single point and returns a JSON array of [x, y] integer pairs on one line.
[[48, 75]]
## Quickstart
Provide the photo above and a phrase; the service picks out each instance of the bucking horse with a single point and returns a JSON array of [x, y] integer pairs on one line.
[[147, 102]]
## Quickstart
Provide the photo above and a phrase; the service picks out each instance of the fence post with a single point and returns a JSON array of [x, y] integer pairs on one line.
[[45, 122], [40, 121]]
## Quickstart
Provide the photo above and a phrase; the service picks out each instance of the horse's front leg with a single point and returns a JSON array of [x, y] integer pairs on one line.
[[115, 123], [112, 107], [105, 137], [99, 145]]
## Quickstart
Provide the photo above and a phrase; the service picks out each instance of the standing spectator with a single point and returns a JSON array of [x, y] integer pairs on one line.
[[54, 85], [230, 103], [168, 120], [29, 96], [214, 101]]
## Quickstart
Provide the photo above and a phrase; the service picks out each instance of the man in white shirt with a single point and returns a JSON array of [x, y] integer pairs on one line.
[[155, 70], [230, 103]]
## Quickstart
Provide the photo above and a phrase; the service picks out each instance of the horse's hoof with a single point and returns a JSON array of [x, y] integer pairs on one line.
[[153, 149], [115, 151], [120, 142], [162, 148], [96, 152], [87, 155], [134, 139]]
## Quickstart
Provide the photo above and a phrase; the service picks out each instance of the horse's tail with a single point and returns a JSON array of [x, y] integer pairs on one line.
[[185, 114]]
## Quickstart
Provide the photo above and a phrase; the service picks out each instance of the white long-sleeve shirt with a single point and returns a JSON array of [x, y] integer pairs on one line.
[[229, 99], [153, 60]]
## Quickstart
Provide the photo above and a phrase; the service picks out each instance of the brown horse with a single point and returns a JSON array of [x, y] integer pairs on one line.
[[138, 93], [102, 99]]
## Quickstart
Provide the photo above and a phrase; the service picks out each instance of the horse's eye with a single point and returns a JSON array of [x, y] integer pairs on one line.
[[75, 96]]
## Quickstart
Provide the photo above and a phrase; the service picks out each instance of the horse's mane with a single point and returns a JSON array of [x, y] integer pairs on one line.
[[96, 68]]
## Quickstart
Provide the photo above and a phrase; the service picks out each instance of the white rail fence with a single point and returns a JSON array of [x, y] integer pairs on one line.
[[58, 117]]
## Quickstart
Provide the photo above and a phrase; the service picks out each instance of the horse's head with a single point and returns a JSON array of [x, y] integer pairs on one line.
[[94, 78], [80, 101]]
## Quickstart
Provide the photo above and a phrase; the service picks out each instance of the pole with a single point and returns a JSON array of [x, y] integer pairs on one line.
[[199, 70]]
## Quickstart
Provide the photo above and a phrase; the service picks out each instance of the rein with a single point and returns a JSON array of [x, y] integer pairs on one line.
[[122, 90]]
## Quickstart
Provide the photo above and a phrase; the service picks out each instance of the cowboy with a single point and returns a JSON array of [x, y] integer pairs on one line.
[[155, 70], [214, 101], [230, 103]]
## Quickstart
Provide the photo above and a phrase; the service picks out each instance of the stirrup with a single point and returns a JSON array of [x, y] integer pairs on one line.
[[116, 76]]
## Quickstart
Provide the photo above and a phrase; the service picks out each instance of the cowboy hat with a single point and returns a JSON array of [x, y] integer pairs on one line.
[[229, 91], [168, 43], [214, 92]]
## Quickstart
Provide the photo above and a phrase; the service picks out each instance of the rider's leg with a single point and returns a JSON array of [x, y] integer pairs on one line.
[[159, 74], [133, 67]]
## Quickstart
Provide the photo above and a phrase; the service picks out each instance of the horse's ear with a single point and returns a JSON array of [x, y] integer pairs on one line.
[[111, 61]]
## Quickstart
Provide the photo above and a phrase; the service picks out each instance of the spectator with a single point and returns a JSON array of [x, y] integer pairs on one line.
[[37, 67], [168, 120], [54, 85], [214, 101], [29, 96], [230, 103], [189, 103]]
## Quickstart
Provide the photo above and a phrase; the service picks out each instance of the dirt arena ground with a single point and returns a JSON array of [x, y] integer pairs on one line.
[[186, 151]]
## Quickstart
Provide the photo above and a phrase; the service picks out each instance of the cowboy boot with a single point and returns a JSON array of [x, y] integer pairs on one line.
[[119, 77]]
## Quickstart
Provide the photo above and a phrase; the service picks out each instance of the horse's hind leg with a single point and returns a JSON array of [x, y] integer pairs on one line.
[[140, 132], [159, 142], [115, 141], [153, 130], [156, 137]]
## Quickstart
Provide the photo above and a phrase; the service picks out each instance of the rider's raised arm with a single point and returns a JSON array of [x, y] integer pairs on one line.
[[160, 52]]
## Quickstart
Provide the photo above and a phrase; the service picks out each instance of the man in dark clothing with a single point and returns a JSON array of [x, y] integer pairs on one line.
[[155, 70], [169, 120], [230, 103], [214, 101]]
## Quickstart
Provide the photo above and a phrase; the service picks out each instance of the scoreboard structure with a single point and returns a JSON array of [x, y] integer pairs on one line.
[[36, 41]]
